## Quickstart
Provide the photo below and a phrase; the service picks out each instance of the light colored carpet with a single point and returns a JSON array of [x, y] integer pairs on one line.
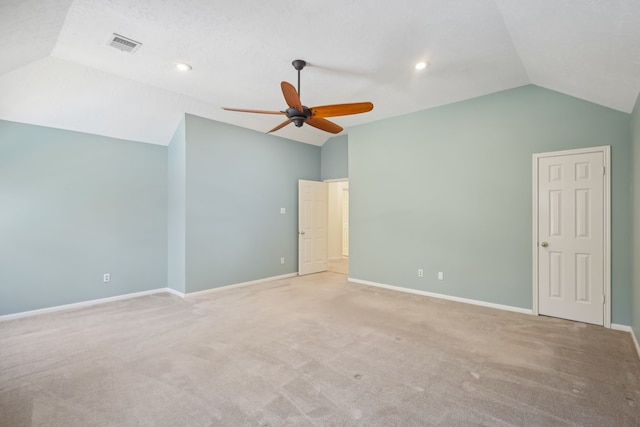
[[340, 265], [312, 351]]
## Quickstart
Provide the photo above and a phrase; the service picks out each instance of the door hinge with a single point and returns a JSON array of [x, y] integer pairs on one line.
[[604, 170], [603, 299]]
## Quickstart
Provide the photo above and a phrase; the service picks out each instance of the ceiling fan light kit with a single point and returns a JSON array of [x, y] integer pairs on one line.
[[299, 114]]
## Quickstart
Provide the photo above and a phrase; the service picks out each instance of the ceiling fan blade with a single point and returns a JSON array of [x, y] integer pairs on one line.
[[322, 124], [241, 110], [291, 95], [280, 126], [341, 109]]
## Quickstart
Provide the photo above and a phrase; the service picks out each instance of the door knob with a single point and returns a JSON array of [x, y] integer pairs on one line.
[[544, 244], [301, 232]]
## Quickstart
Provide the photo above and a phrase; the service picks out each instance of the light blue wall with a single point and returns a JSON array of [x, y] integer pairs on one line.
[[446, 189], [176, 189], [74, 206], [449, 189], [236, 182], [335, 158], [635, 137]]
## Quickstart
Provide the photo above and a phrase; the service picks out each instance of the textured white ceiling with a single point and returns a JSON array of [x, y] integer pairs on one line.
[[589, 49], [57, 70]]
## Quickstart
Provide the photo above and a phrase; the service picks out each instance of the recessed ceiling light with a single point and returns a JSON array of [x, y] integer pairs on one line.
[[421, 65], [183, 66]]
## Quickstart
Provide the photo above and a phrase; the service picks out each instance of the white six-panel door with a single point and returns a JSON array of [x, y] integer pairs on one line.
[[571, 236], [312, 227]]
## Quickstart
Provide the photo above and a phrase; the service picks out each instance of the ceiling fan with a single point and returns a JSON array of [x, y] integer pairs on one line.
[[314, 116]]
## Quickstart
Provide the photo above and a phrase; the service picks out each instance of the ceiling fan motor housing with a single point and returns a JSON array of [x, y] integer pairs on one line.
[[298, 117]]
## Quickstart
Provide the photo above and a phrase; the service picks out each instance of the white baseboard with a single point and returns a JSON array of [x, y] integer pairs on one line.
[[82, 304], [174, 292], [629, 329], [618, 327], [443, 296], [238, 285], [635, 341]]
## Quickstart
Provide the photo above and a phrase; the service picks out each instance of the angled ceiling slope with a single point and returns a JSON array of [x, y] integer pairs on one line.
[[29, 30], [57, 69]]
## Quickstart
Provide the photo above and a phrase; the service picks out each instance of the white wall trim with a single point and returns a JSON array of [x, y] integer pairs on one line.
[[336, 180], [82, 304], [618, 327], [635, 341], [443, 296], [239, 285], [175, 292], [629, 329]]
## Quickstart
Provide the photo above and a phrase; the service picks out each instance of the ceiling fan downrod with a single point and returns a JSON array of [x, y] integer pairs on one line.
[[298, 64]]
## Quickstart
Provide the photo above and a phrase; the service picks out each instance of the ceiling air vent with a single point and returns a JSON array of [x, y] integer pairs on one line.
[[123, 43]]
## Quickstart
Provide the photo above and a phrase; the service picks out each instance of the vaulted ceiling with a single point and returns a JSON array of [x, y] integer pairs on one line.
[[57, 69]]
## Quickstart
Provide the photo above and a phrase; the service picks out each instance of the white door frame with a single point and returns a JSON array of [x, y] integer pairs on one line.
[[338, 180], [606, 152], [345, 214]]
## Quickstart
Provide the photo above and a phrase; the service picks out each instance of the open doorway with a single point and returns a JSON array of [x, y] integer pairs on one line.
[[338, 227]]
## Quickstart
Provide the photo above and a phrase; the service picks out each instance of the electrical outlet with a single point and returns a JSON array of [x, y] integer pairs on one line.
[[282, 260], [106, 278], [420, 272], [440, 275]]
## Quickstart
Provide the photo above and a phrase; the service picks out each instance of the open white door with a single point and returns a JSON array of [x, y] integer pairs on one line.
[[571, 239], [312, 227]]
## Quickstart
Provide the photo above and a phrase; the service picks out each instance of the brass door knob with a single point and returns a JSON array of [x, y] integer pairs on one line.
[[544, 244]]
